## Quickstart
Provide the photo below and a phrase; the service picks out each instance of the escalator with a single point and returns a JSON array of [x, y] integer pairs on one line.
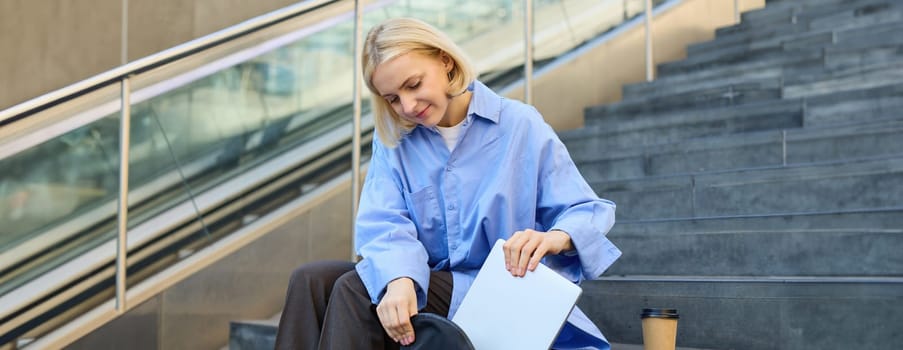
[[223, 131]]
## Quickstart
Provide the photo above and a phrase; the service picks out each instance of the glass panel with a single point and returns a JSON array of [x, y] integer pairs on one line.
[[490, 31], [61, 164], [206, 128], [196, 123], [562, 25]]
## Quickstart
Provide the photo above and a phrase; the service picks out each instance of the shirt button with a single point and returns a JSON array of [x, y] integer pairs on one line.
[[451, 207]]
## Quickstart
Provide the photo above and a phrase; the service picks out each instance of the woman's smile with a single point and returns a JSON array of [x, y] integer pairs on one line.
[[422, 114]]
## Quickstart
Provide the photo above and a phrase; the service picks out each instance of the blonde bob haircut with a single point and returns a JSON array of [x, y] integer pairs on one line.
[[398, 36]]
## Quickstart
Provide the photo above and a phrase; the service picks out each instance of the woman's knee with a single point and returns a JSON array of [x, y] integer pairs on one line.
[[319, 272], [349, 285]]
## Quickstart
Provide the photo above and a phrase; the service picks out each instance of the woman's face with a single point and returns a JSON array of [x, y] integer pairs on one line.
[[416, 86]]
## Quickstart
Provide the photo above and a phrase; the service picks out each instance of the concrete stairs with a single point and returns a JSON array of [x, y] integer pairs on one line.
[[253, 334], [759, 184]]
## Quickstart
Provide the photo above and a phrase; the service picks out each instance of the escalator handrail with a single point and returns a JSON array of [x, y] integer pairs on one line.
[[180, 213], [192, 47]]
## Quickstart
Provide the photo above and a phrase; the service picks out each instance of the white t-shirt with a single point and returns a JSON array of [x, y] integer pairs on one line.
[[450, 134]]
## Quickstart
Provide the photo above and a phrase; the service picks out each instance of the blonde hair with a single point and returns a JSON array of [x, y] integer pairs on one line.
[[399, 36]]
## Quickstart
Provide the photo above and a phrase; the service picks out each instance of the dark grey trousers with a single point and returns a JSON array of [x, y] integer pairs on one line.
[[327, 307]]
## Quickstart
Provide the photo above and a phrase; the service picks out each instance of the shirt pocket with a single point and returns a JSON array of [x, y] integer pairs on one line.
[[423, 207]]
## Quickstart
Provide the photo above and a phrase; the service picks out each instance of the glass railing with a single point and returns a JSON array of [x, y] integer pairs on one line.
[[210, 130]]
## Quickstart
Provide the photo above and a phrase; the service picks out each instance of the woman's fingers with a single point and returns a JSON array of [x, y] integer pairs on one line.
[[524, 250], [396, 308], [388, 318], [512, 250], [396, 320], [540, 252], [405, 328], [527, 252]]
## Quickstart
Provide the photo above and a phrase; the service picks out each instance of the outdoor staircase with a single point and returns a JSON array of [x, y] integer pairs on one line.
[[759, 184]]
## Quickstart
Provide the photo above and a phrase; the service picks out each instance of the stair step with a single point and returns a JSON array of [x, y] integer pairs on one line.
[[663, 92], [846, 43], [860, 16], [730, 57], [851, 184], [745, 150], [890, 217], [776, 14], [857, 106], [882, 35], [864, 251], [671, 127], [793, 23], [848, 79], [764, 86], [785, 45], [841, 60], [713, 69], [753, 314], [253, 334], [722, 75]]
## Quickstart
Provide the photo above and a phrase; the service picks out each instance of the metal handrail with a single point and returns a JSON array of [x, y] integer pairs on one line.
[[114, 75], [121, 75]]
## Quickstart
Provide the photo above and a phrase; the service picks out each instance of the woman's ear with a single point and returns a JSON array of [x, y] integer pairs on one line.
[[447, 61]]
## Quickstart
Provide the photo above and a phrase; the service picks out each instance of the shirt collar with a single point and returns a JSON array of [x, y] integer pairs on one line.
[[484, 102]]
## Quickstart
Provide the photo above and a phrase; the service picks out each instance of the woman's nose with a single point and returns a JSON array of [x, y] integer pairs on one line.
[[408, 103]]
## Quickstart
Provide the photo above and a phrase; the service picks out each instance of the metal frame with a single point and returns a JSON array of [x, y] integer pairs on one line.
[[123, 210], [650, 69], [356, 117], [88, 116], [528, 52], [50, 99]]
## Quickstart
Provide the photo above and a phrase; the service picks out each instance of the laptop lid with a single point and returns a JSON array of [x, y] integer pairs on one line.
[[501, 311]]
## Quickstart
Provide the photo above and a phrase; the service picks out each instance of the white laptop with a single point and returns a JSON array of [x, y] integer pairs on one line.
[[501, 311]]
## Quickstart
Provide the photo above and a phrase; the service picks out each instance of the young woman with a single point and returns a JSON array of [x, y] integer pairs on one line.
[[454, 168]]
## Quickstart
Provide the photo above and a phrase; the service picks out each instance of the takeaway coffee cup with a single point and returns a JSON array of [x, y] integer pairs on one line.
[[659, 329]]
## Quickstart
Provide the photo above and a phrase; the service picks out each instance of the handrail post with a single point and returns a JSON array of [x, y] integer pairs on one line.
[[123, 210], [356, 133], [124, 34], [528, 52], [649, 60], [736, 11]]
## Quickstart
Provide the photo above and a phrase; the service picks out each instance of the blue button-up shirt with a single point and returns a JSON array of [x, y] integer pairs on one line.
[[424, 208]]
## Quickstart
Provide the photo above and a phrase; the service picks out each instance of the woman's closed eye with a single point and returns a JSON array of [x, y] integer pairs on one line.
[[391, 99]]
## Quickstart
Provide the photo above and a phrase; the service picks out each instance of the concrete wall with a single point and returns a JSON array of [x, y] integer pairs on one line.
[[48, 44], [248, 284], [597, 76]]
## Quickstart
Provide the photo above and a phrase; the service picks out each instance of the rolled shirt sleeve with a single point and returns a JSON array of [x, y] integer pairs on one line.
[[567, 203], [386, 238]]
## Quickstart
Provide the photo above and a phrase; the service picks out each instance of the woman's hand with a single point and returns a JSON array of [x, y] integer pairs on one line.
[[396, 308], [525, 249]]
